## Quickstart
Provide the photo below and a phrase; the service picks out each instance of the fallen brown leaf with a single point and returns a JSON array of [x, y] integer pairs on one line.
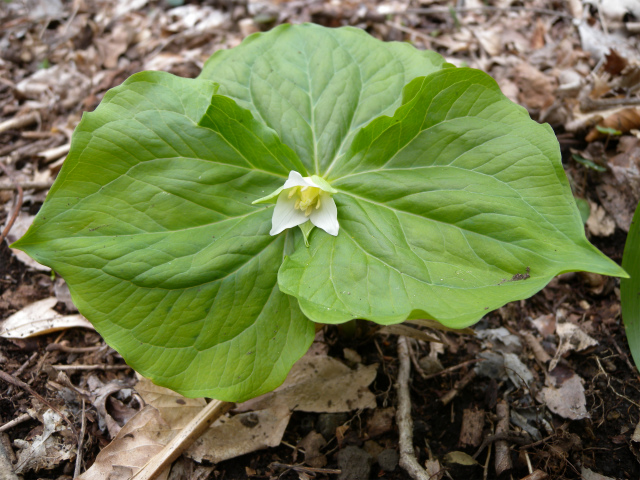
[[624, 120], [230, 437], [568, 400], [138, 441], [320, 384]]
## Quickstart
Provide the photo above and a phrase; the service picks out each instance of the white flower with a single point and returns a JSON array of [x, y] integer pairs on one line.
[[301, 199]]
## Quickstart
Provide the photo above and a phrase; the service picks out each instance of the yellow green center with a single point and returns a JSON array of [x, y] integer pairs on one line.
[[307, 198]]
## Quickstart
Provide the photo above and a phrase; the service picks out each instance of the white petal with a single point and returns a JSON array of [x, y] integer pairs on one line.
[[285, 215], [326, 217], [297, 180]]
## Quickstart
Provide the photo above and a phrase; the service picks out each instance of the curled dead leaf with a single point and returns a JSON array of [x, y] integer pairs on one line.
[[623, 121]]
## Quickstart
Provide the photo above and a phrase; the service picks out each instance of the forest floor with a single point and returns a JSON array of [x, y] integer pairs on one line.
[[552, 375]]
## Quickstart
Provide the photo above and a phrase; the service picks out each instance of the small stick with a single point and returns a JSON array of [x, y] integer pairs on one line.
[[408, 459], [414, 361], [503, 455], [19, 122], [301, 468], [189, 434], [16, 208], [16, 421], [485, 472], [55, 153], [24, 366], [76, 472], [65, 348], [488, 8], [459, 385], [519, 438], [37, 135], [91, 367], [29, 186], [538, 351], [6, 468], [452, 369]]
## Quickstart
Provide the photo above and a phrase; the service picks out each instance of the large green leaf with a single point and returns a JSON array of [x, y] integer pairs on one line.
[[150, 222], [630, 288], [454, 206], [316, 87]]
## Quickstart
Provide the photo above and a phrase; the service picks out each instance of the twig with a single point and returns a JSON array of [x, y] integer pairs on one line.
[[459, 385], [485, 467], [66, 348], [408, 459], [414, 361], [28, 186], [603, 372], [538, 351], [452, 369], [487, 8], [6, 468], [301, 468], [54, 153], [19, 122], [17, 206], [16, 421], [519, 438], [588, 104], [24, 366], [83, 426], [189, 434], [91, 367], [503, 456], [19, 383]]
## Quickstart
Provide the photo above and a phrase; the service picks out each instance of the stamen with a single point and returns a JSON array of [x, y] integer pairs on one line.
[[297, 205], [293, 191], [318, 202], [307, 212]]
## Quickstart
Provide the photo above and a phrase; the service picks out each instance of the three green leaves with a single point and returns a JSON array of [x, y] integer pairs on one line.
[[451, 202]]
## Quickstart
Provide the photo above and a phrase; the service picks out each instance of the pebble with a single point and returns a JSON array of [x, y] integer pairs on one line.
[[328, 422], [355, 464], [388, 460]]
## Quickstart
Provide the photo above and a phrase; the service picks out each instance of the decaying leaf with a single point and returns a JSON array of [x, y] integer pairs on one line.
[[40, 318], [230, 437], [571, 338], [545, 324], [103, 395], [624, 120], [599, 223], [537, 90], [568, 400], [46, 450], [517, 371], [138, 441], [311, 444], [321, 384], [459, 458], [175, 409]]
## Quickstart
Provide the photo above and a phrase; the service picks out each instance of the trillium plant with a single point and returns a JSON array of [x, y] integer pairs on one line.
[[184, 217]]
